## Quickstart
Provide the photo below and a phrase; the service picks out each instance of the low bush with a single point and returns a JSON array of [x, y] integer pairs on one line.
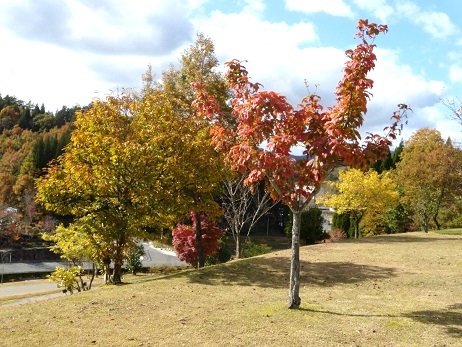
[[252, 249]]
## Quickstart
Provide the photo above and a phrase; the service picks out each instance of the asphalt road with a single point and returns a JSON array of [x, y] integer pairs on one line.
[[28, 287], [153, 257], [42, 289]]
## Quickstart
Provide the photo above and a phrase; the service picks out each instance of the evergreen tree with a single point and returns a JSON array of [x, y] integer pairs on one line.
[[342, 221], [311, 229], [25, 121], [397, 153]]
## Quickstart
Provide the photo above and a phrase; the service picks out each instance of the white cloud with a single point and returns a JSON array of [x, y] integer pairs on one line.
[[437, 24], [255, 7], [279, 59], [106, 27], [277, 54], [455, 73], [332, 7], [105, 45], [379, 8], [395, 83]]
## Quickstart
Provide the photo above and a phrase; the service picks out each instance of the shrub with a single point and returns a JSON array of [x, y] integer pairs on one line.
[[184, 240], [223, 254], [337, 234], [342, 221], [311, 229], [133, 261], [252, 249], [67, 278]]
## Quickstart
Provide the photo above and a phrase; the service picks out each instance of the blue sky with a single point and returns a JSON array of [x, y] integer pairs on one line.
[[67, 52]]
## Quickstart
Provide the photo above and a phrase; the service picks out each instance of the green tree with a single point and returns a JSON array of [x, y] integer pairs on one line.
[[133, 261], [25, 121], [397, 153], [342, 221], [429, 175], [203, 166]]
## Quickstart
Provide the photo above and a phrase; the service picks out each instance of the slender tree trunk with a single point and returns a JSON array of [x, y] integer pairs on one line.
[[356, 228], [438, 225], [200, 249], [294, 284], [93, 273], [238, 247], [426, 222], [435, 216]]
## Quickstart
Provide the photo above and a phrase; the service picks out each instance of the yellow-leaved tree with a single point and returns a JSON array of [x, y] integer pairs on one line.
[[360, 193], [120, 172], [139, 161]]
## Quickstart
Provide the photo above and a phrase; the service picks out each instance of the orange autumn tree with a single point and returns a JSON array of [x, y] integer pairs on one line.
[[268, 127]]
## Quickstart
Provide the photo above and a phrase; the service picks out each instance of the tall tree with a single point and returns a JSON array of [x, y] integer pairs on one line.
[[203, 166], [328, 136], [430, 175], [397, 153]]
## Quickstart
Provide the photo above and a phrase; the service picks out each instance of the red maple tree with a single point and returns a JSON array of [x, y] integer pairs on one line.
[[329, 136], [185, 239]]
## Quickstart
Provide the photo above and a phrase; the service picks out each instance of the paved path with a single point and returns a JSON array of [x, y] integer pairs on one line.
[[27, 287], [29, 267], [33, 290]]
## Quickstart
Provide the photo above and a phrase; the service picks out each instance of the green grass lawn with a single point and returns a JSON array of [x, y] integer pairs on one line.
[[449, 231], [394, 290]]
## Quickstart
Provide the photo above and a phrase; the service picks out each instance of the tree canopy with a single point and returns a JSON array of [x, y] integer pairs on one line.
[[429, 175], [364, 193], [329, 136]]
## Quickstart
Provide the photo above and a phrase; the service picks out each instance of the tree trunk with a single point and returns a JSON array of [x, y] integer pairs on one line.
[[438, 225], [117, 273], [435, 216], [200, 249], [118, 261], [294, 284], [356, 228], [238, 248], [107, 272], [426, 222], [93, 273]]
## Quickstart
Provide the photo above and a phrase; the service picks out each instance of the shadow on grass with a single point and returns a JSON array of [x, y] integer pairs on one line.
[[450, 318], [274, 273]]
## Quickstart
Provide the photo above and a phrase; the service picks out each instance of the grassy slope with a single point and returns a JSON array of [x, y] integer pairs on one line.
[[403, 290]]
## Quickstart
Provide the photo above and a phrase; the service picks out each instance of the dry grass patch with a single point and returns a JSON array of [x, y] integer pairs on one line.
[[397, 290]]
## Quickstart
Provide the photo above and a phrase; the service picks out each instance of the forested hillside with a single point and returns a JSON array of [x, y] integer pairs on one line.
[[30, 137]]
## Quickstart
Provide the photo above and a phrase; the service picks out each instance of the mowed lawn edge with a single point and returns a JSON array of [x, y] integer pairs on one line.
[[391, 290]]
